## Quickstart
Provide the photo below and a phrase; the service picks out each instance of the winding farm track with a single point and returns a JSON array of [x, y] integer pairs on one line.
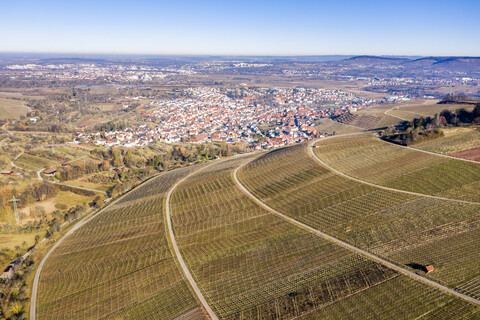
[[177, 253], [430, 152], [40, 178], [78, 225], [314, 156], [78, 187], [36, 279], [347, 245]]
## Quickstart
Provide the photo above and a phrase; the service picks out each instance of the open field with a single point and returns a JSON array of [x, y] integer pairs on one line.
[[119, 264], [12, 109], [72, 199], [412, 110], [31, 162], [432, 109], [402, 227], [11, 240], [254, 265], [472, 154], [375, 161]]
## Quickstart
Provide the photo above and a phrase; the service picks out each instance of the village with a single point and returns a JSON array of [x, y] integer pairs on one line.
[[261, 117]]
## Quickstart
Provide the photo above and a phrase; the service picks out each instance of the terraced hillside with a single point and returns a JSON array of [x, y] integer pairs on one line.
[[251, 264], [375, 161], [119, 265], [411, 230]]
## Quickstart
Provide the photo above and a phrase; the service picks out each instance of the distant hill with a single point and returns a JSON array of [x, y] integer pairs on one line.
[[459, 64], [376, 60]]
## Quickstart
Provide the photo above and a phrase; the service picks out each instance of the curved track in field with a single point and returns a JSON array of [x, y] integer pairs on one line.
[[177, 253], [347, 245], [36, 279], [316, 158]]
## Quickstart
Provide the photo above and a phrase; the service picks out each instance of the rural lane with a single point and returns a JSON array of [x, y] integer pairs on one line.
[[40, 178], [78, 225], [314, 156], [92, 215], [430, 152], [177, 253], [347, 245]]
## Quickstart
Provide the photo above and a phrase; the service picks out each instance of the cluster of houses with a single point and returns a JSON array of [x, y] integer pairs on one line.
[[263, 117]]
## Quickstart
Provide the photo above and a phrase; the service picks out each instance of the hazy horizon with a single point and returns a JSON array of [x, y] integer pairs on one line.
[[248, 28]]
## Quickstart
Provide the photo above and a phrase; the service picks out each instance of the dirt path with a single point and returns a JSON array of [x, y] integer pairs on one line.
[[177, 253], [79, 224], [349, 246], [77, 187], [314, 156], [429, 152], [40, 178]]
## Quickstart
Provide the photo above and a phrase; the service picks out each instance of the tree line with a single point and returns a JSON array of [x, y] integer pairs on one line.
[[426, 128]]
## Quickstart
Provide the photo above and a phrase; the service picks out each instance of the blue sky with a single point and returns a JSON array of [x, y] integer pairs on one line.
[[295, 27]]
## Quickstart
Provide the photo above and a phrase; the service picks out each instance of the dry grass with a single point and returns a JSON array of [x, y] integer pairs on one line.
[[11, 109], [11, 240]]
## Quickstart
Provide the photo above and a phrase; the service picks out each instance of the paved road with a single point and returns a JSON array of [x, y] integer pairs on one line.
[[314, 156], [177, 253], [349, 246]]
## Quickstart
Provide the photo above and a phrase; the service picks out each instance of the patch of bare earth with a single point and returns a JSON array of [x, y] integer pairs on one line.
[[472, 154]]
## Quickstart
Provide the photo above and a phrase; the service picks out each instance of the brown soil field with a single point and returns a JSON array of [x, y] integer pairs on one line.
[[472, 154]]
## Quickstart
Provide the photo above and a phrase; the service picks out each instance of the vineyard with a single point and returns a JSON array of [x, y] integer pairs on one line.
[[401, 227], [249, 263], [119, 265], [455, 140], [327, 125], [375, 161]]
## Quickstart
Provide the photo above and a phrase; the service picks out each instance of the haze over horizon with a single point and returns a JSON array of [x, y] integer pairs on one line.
[[417, 28]]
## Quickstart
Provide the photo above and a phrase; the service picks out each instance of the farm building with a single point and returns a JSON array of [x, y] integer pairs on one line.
[[7, 173], [50, 171], [430, 268]]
